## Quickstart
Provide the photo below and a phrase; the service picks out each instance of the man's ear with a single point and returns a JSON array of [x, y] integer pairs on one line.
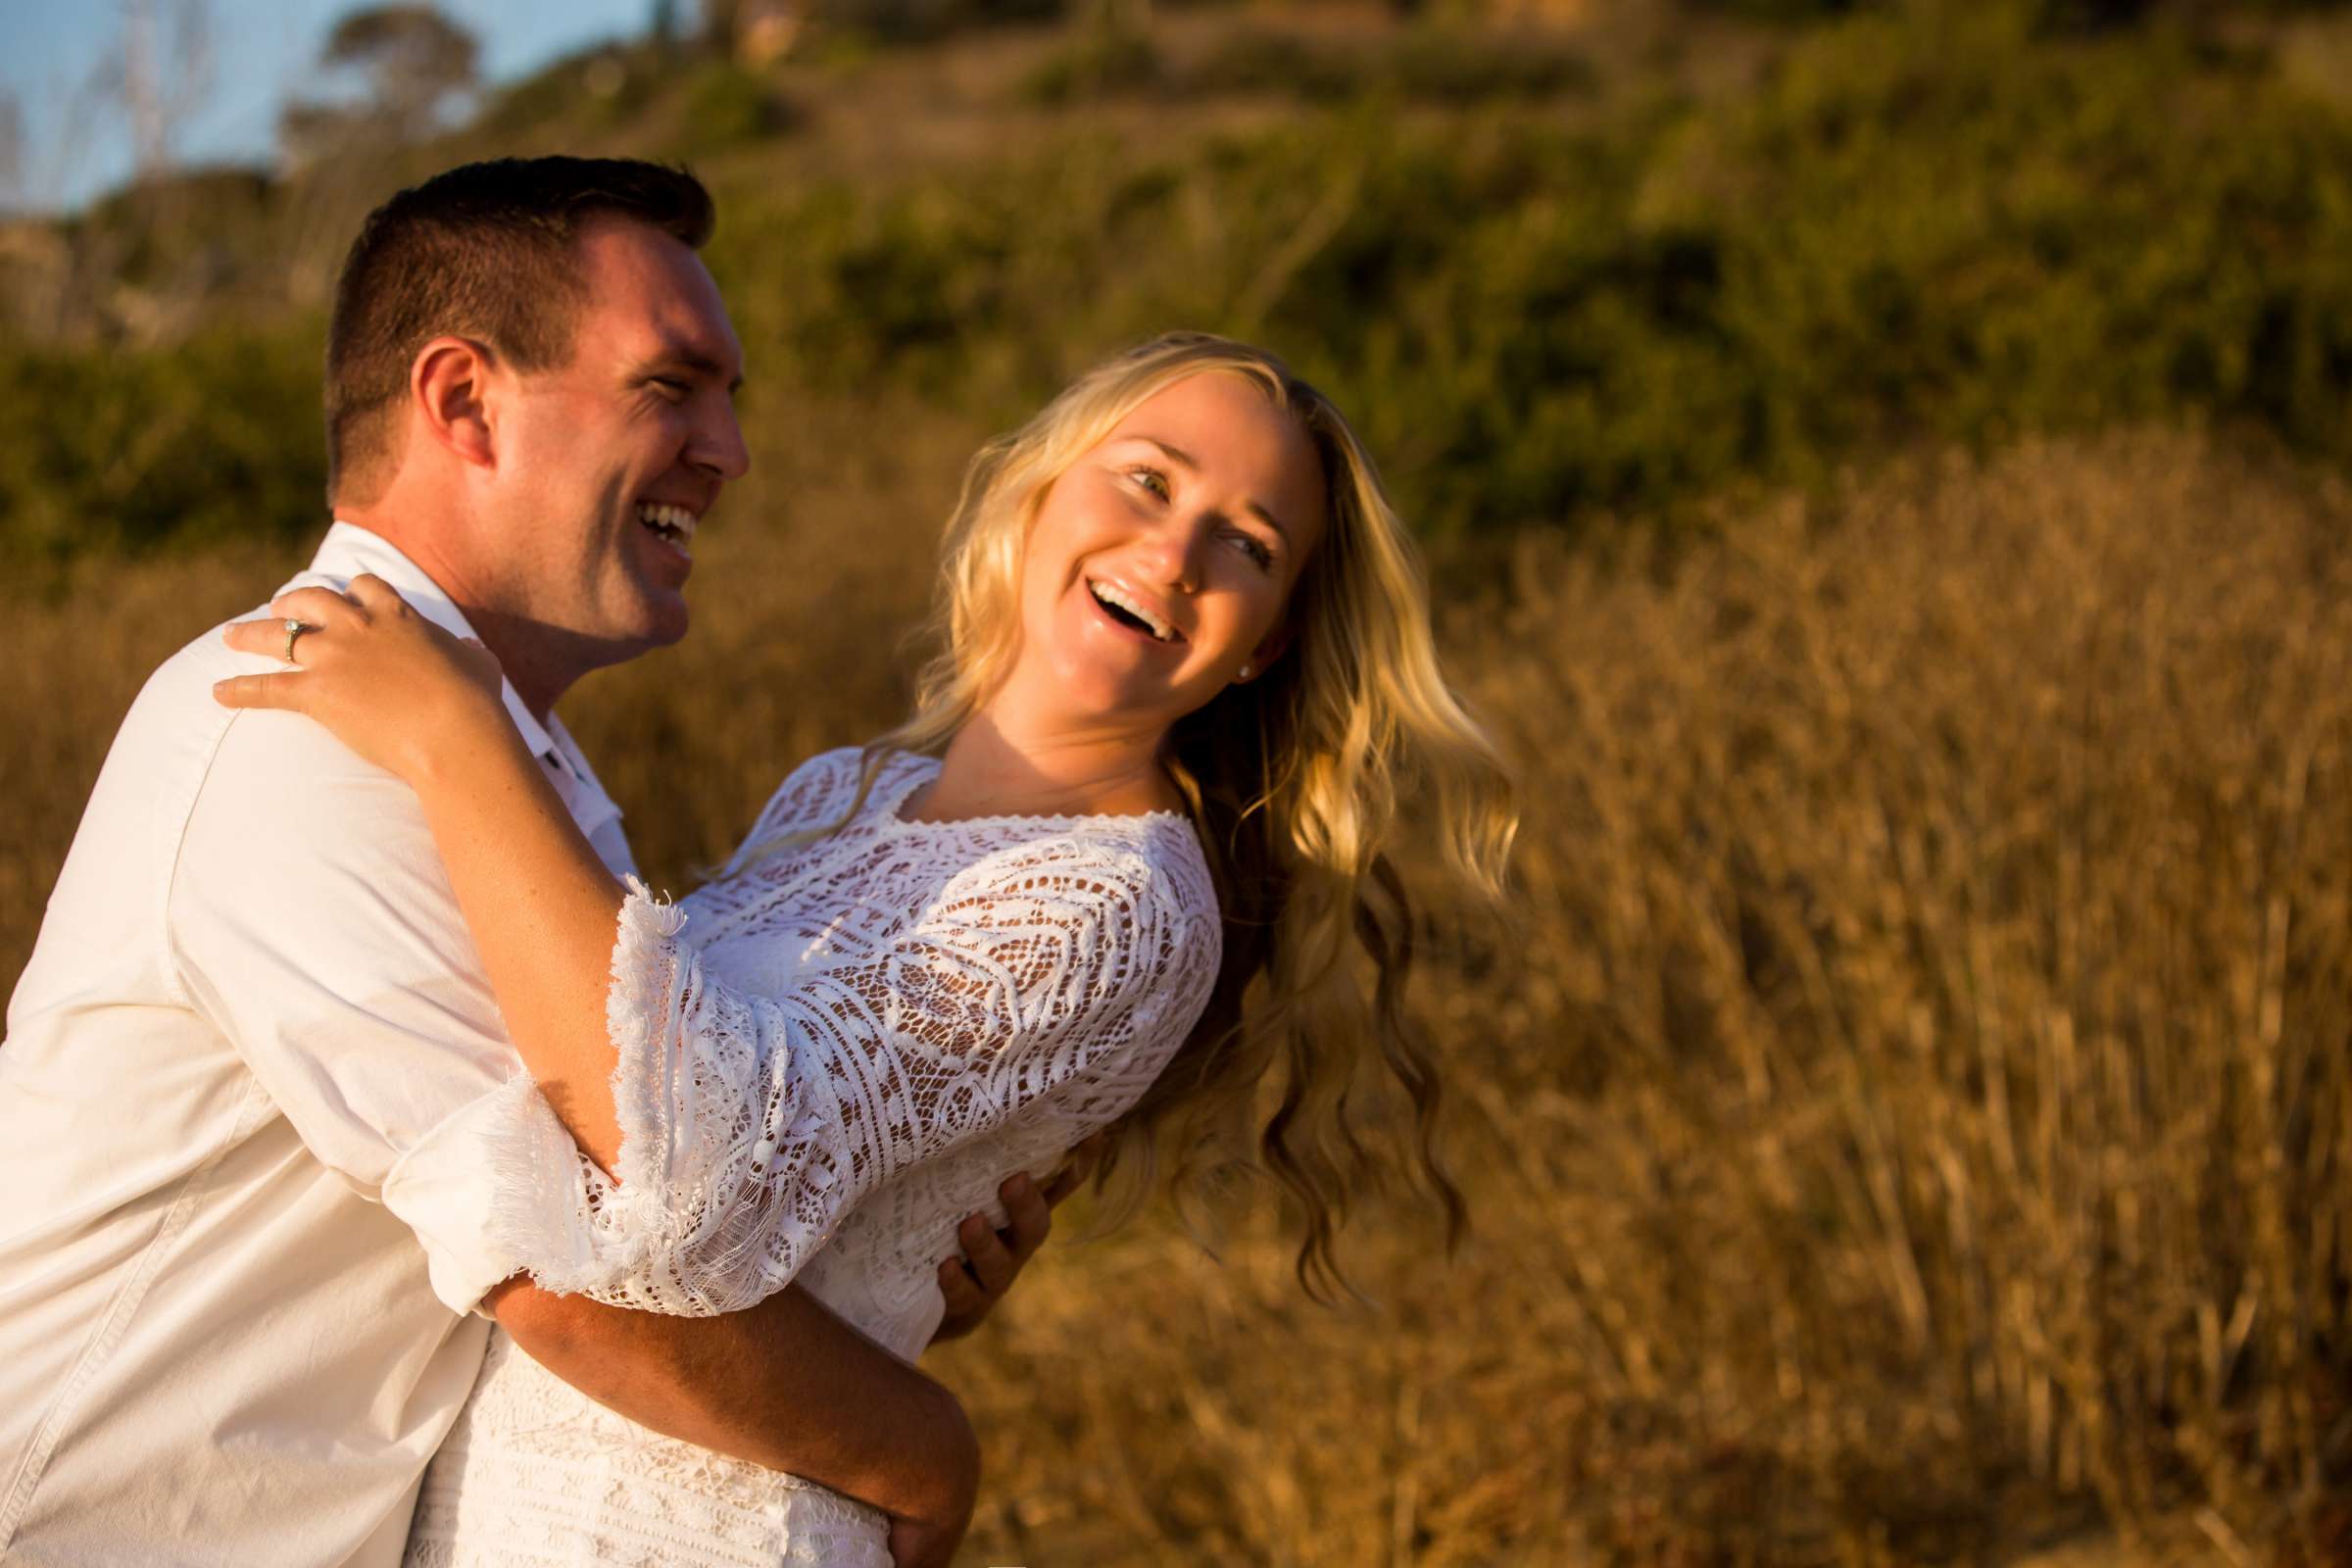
[[448, 390]]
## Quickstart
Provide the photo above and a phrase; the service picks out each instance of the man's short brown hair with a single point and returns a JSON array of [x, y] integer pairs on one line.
[[485, 251]]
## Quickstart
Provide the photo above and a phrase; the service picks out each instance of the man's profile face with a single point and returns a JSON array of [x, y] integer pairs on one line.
[[607, 463]]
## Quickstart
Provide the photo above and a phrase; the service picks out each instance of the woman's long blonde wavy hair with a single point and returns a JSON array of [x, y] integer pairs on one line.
[[1296, 783]]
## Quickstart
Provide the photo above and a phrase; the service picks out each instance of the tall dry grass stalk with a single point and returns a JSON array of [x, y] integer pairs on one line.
[[1915, 1119], [1920, 1121], [1936, 1017], [76, 651]]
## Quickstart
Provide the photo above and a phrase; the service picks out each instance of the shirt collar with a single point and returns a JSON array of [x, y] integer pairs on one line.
[[349, 550]]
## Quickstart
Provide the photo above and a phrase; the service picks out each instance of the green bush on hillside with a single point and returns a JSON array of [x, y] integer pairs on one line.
[[2049, 15], [1437, 63], [1916, 230], [1937, 226], [1097, 62], [727, 104], [216, 438]]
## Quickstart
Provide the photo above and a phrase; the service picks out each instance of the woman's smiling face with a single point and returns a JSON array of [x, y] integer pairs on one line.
[[1160, 561]]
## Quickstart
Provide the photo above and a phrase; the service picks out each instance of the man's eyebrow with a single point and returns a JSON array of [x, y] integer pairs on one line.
[[1181, 456], [696, 361]]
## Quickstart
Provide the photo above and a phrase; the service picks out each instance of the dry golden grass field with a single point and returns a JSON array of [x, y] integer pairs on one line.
[[1911, 1118]]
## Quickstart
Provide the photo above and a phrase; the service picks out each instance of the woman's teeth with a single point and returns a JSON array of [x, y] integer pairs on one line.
[[1112, 598], [673, 523]]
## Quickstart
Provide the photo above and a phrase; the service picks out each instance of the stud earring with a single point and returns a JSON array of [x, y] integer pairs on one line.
[[1242, 673]]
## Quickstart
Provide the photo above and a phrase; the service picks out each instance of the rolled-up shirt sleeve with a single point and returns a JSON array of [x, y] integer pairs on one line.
[[310, 919]]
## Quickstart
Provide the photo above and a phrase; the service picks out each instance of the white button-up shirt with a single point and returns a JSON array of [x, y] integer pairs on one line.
[[235, 1259]]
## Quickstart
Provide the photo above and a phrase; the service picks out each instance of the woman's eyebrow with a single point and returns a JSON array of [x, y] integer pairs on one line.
[[1176, 452], [1179, 454]]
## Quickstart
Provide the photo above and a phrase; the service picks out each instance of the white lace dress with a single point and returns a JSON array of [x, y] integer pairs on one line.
[[827, 1060]]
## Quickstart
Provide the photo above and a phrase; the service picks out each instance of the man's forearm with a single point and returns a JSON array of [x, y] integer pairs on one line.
[[785, 1385]]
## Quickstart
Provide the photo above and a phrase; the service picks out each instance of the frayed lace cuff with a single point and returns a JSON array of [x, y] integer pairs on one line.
[[573, 1229], [650, 979]]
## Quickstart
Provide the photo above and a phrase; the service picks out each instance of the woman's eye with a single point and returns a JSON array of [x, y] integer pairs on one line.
[[1150, 479], [670, 387], [1254, 548]]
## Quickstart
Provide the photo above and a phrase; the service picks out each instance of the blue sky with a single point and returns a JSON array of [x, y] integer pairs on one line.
[[263, 51]]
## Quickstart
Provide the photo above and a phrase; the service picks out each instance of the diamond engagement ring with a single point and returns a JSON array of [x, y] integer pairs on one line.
[[294, 630]]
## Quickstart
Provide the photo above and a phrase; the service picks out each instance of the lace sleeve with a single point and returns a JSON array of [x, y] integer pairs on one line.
[[750, 1124], [814, 793]]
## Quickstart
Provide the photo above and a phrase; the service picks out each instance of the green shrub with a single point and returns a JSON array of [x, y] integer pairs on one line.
[[1095, 63], [1787, 10], [218, 438], [1941, 225], [1460, 66], [1444, 62], [922, 21], [727, 104], [1918, 228], [1251, 59]]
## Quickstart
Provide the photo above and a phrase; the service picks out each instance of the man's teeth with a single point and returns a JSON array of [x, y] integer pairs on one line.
[[674, 523], [1111, 594]]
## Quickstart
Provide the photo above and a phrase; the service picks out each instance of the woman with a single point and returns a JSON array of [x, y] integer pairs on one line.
[[1104, 877]]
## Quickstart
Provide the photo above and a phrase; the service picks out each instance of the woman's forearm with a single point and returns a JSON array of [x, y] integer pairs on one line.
[[543, 910]]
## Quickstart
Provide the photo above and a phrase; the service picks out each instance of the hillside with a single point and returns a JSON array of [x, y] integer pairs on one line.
[[1887, 475], [1914, 1128], [1559, 277]]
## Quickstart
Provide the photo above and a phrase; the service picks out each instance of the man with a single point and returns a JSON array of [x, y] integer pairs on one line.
[[244, 1226]]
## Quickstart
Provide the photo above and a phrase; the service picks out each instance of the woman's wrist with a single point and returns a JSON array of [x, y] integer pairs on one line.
[[465, 748]]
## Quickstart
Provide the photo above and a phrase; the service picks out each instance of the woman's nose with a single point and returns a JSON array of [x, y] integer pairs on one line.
[[1171, 553]]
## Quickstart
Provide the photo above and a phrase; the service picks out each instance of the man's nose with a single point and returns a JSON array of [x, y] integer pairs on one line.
[[718, 449]]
